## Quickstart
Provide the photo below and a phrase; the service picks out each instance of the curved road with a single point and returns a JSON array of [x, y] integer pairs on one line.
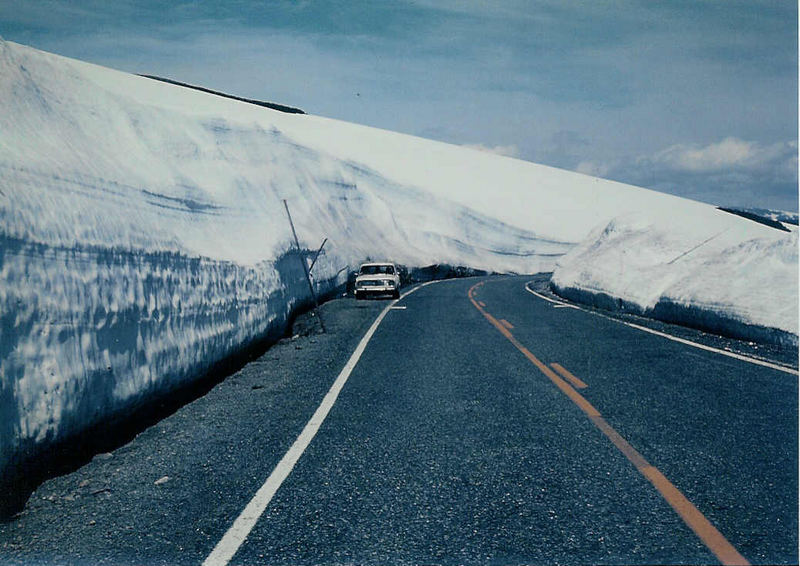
[[456, 440], [483, 424]]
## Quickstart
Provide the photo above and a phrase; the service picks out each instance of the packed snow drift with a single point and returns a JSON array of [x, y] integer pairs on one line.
[[716, 275], [143, 235]]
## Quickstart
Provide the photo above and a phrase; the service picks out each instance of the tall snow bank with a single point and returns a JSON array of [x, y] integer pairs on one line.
[[713, 273], [143, 235]]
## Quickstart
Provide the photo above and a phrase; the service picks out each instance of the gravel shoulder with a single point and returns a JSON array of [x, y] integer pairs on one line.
[[168, 495]]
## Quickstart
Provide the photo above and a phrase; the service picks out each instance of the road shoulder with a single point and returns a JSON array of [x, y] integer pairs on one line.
[[169, 494]]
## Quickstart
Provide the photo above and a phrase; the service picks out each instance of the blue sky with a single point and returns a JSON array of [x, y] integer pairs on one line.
[[696, 98]]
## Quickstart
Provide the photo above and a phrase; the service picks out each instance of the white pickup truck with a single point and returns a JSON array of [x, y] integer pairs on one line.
[[377, 279]]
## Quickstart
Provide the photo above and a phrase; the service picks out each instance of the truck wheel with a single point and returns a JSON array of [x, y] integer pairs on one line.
[[396, 294]]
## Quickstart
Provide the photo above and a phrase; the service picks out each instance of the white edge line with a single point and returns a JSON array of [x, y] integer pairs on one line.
[[675, 338], [556, 304], [548, 299], [244, 523]]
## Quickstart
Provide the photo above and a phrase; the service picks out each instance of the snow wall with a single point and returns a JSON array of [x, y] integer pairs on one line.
[[140, 244], [143, 235], [712, 275]]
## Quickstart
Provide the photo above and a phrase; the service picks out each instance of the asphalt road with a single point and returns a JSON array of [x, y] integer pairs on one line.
[[448, 444]]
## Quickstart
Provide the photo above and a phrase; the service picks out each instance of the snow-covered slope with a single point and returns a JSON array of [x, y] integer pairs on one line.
[[143, 235], [714, 275]]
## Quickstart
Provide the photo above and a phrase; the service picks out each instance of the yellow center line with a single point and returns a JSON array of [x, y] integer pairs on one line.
[[568, 376], [702, 527], [507, 324]]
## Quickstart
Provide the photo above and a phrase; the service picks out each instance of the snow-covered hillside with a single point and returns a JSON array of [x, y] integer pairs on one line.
[[143, 235], [710, 274]]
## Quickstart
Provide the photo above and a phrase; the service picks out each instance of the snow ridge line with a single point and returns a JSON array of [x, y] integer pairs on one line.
[[235, 536], [741, 357]]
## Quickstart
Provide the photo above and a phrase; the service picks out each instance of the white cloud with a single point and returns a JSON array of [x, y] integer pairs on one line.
[[507, 150], [730, 153], [594, 169], [731, 172]]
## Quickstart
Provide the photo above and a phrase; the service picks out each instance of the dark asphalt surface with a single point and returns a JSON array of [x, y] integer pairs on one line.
[[446, 446]]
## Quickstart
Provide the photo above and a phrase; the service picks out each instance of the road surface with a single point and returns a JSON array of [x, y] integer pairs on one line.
[[481, 424]]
